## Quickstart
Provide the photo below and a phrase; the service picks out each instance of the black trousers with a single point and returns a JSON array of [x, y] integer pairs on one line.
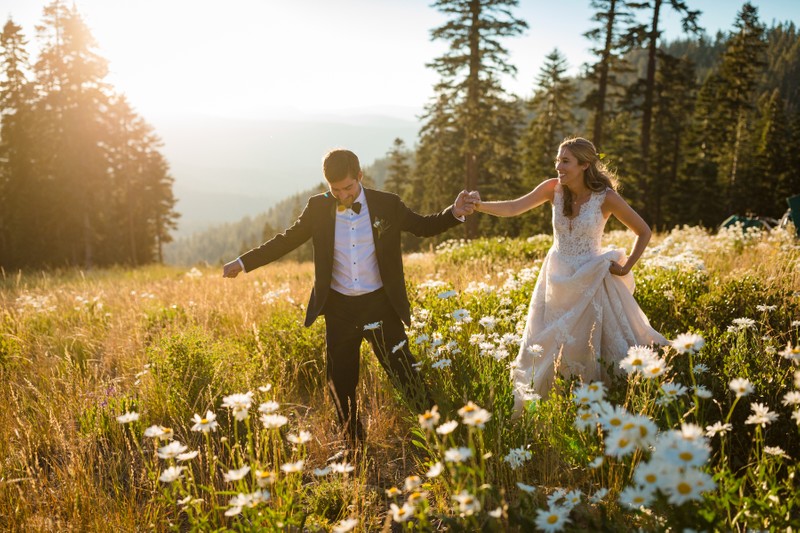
[[345, 319]]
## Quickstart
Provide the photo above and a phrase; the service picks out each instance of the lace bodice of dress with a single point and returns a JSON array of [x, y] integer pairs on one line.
[[580, 235]]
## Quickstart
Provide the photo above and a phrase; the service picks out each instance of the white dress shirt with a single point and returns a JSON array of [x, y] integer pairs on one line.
[[355, 265]]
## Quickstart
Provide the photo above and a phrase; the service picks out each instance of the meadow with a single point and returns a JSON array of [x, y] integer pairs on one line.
[[173, 399]]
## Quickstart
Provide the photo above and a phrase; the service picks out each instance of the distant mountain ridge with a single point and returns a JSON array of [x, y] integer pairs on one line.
[[227, 168]]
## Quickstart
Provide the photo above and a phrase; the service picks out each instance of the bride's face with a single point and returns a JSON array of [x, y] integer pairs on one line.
[[570, 172]]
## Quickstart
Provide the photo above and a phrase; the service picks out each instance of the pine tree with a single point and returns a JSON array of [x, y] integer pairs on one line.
[[672, 110], [73, 98], [740, 71], [470, 71], [19, 194], [399, 172], [616, 35], [652, 36]]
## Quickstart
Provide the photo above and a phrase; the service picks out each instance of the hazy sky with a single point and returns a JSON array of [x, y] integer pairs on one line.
[[265, 57]]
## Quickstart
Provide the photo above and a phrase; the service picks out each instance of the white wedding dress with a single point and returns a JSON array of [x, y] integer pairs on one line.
[[580, 314]]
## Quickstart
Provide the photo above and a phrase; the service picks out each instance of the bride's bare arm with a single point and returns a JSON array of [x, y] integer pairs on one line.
[[509, 208], [615, 205]]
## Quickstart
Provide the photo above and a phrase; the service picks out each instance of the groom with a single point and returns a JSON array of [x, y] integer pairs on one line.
[[359, 284]]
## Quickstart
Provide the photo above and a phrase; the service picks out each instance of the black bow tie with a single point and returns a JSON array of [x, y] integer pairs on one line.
[[356, 207]]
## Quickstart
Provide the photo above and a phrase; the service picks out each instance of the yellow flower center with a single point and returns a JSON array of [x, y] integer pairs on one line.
[[637, 362], [204, 421], [684, 488], [623, 442], [552, 519], [615, 422], [651, 478], [686, 456]]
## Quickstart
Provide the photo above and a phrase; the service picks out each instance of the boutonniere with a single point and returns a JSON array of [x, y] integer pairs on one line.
[[380, 226]]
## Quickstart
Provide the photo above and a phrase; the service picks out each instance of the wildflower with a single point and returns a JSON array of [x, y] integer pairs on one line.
[[399, 346], [655, 368], [274, 421], [461, 315], [188, 456], [420, 339], [159, 432], [268, 407], [239, 404], [293, 467], [372, 326], [264, 478], [717, 428], [517, 456], [552, 518], [585, 419], [393, 492], [530, 489], [649, 475], [686, 486], [587, 394], [171, 450], [301, 438], [673, 390], [611, 416], [430, 418], [598, 496], [796, 416], [741, 386], [442, 363], [457, 455], [534, 349], [488, 322], [496, 513], [635, 497], [688, 343], [401, 514], [702, 392], [128, 417], [791, 352], [446, 294], [700, 368], [573, 498], [319, 472], [209, 423], [597, 462], [265, 388], [638, 358], [435, 470], [171, 474], [348, 524], [341, 468], [776, 450], [467, 503], [236, 504], [416, 497], [556, 497], [686, 453], [761, 415], [236, 475], [619, 443], [447, 427], [472, 415], [691, 432]]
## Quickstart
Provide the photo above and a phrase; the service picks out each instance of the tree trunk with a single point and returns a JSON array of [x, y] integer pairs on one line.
[[647, 110], [602, 87]]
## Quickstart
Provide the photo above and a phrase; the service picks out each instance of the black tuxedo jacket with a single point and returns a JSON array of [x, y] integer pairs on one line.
[[388, 216]]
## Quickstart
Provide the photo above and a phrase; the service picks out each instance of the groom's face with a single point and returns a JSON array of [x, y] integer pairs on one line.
[[347, 190]]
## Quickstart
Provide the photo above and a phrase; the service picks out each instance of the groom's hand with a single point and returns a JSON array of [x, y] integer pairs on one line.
[[232, 269], [464, 205]]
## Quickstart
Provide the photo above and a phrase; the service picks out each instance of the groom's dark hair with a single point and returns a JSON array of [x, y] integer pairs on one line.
[[340, 164]]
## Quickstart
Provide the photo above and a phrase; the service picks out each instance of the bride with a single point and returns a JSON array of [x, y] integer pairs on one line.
[[582, 313]]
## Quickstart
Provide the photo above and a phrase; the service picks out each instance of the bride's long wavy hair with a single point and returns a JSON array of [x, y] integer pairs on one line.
[[597, 176]]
